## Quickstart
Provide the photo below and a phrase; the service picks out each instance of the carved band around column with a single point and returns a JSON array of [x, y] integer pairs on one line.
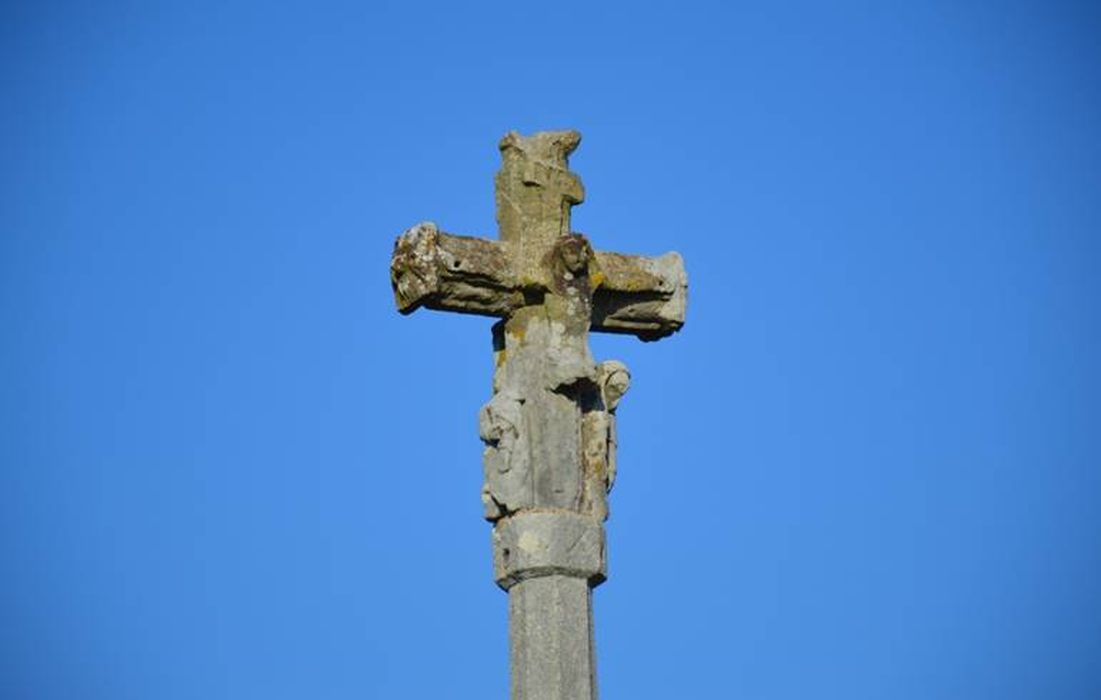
[[536, 543]]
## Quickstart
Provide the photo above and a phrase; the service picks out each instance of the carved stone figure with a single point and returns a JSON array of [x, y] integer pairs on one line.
[[614, 382], [598, 436], [506, 460]]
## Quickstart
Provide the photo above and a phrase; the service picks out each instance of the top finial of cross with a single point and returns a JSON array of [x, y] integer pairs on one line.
[[535, 188], [550, 147]]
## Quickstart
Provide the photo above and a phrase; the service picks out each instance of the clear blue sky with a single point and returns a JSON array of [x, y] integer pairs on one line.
[[869, 467]]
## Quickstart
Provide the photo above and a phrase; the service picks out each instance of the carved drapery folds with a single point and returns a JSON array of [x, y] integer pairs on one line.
[[598, 432], [506, 457]]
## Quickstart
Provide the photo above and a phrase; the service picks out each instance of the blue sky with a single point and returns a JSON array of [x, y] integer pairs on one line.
[[867, 468]]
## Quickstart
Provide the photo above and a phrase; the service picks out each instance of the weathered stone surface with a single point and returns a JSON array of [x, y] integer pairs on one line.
[[452, 273], [549, 429], [598, 437], [535, 190], [640, 296], [544, 543], [632, 294], [506, 460], [551, 639]]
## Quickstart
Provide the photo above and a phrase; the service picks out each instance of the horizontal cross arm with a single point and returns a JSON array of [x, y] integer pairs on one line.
[[446, 272], [640, 295], [633, 294]]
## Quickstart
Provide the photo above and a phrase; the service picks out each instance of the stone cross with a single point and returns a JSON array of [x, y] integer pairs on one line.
[[549, 429]]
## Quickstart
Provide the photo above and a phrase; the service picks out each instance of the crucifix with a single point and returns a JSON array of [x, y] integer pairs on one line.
[[549, 429]]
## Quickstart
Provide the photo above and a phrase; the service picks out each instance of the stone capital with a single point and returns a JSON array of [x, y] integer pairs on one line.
[[530, 544]]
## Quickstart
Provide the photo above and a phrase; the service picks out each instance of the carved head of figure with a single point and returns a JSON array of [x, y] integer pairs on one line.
[[614, 380]]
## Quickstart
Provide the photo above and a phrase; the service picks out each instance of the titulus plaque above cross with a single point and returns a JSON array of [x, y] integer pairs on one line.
[[549, 429]]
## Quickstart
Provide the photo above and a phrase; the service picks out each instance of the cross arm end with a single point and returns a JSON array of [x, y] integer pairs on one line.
[[642, 296], [446, 272]]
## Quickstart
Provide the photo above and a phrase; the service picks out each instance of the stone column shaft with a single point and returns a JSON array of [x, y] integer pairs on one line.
[[549, 561], [551, 639]]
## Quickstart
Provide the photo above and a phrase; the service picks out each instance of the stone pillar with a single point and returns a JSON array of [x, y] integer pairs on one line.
[[549, 561], [552, 656], [549, 462]]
